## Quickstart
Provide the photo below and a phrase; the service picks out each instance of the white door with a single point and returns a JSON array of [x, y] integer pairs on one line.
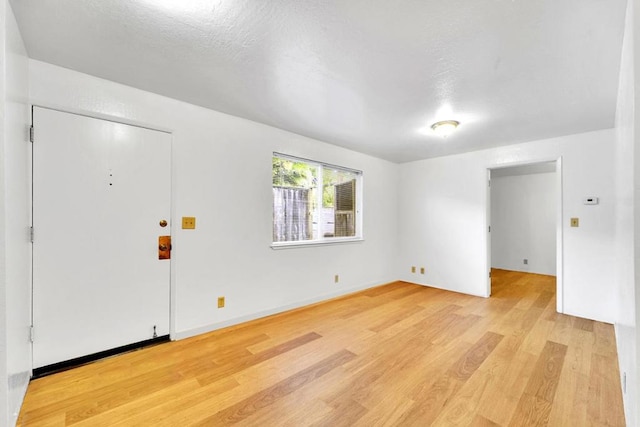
[[100, 193]]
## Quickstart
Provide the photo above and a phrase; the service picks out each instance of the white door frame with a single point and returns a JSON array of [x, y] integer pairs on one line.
[[120, 120], [559, 228]]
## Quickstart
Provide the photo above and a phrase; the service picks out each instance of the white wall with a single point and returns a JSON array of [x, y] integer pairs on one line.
[[625, 229], [15, 247], [634, 396], [222, 176], [444, 205], [523, 223], [4, 399]]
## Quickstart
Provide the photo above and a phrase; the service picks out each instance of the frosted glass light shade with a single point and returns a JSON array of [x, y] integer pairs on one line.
[[445, 127]]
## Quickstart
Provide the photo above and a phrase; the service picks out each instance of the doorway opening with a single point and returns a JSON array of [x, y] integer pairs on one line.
[[524, 221]]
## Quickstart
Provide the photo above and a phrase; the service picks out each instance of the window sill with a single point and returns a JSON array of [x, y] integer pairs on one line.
[[309, 243]]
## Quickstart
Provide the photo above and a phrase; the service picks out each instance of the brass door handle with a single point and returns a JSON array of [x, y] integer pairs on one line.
[[164, 247]]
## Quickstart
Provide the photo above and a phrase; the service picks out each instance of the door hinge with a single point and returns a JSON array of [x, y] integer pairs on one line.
[[489, 181], [31, 133], [31, 333], [489, 229], [489, 274], [31, 234]]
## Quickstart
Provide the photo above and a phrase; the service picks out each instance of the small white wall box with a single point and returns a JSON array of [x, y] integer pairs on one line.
[[590, 200]]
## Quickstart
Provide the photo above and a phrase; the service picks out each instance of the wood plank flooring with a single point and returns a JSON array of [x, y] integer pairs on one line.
[[399, 354]]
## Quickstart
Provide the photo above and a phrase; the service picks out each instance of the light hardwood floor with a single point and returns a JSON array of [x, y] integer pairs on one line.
[[398, 354]]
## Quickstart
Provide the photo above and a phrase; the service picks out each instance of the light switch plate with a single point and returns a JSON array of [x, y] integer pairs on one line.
[[188, 222]]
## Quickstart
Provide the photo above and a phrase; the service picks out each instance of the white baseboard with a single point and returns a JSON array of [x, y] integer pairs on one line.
[[428, 285], [18, 384], [178, 335], [627, 362]]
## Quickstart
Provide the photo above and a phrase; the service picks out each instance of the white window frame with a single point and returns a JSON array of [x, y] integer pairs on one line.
[[321, 241]]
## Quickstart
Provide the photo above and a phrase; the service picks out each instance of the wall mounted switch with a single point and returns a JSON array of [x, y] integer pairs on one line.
[[188, 222]]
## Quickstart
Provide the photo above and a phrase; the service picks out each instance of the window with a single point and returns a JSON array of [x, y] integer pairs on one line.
[[314, 202]]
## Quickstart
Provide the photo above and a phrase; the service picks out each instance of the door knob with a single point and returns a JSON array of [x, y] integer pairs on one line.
[[164, 247]]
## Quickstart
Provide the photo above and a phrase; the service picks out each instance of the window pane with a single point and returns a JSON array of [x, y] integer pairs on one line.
[[339, 203], [291, 214], [288, 173], [293, 194]]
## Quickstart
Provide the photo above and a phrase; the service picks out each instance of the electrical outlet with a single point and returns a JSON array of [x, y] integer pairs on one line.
[[188, 222], [421, 270], [413, 269], [525, 261], [336, 278], [220, 302], [575, 222]]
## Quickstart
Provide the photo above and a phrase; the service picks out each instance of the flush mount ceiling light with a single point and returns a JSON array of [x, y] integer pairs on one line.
[[445, 128]]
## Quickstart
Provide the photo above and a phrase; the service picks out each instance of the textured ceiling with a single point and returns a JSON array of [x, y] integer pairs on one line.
[[369, 75]]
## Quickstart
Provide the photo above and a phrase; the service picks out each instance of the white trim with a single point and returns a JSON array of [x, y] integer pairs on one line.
[[487, 229], [559, 226], [559, 239], [173, 231], [609, 320], [316, 162], [102, 116], [276, 310], [448, 289], [307, 243]]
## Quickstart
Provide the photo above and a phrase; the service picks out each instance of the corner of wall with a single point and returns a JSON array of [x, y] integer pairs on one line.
[[15, 248], [626, 224]]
